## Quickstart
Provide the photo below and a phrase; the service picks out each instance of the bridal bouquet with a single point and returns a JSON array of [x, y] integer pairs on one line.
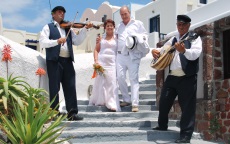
[[98, 70]]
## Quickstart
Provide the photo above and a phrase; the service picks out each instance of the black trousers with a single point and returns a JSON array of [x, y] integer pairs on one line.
[[185, 88], [62, 72]]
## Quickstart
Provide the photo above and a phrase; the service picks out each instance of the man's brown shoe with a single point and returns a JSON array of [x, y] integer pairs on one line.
[[135, 109], [123, 104]]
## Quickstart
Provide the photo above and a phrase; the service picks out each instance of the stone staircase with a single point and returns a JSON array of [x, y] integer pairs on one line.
[[102, 127]]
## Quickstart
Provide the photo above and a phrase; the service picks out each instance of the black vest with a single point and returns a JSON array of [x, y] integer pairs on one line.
[[52, 53], [190, 67]]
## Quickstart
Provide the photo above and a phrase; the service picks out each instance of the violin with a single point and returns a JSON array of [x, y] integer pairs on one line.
[[67, 25]]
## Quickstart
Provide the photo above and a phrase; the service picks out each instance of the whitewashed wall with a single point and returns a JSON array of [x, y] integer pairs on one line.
[[25, 63], [167, 11], [213, 11], [88, 13]]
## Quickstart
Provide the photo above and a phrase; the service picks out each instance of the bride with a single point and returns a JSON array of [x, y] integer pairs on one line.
[[105, 89]]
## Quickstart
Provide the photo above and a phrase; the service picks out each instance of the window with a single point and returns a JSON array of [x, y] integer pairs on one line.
[[226, 53], [32, 47], [31, 44], [203, 1], [154, 24]]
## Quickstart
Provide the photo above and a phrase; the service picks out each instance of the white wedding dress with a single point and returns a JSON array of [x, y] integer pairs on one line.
[[105, 89]]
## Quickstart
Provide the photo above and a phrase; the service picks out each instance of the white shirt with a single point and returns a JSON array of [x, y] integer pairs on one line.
[[191, 54], [45, 42], [122, 31]]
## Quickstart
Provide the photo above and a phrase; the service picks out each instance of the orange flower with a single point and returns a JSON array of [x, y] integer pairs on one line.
[[94, 74], [6, 52], [40, 72], [98, 69]]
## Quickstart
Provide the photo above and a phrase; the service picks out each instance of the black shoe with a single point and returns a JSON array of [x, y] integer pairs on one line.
[[75, 117], [183, 140], [159, 128], [61, 114], [54, 118]]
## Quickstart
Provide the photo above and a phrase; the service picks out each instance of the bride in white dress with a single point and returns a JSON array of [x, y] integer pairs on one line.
[[105, 89]]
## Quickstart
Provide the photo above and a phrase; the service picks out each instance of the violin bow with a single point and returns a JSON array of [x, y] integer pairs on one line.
[[71, 25]]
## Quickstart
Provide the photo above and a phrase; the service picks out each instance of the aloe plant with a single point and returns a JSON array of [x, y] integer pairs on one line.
[[29, 127], [13, 87], [25, 112]]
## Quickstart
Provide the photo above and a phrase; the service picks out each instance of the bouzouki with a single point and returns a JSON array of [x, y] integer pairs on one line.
[[166, 57]]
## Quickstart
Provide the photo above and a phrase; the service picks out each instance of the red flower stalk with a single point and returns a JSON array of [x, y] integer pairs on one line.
[[6, 52], [40, 72]]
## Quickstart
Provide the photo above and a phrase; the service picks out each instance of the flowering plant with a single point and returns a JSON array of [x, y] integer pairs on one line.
[[40, 72], [98, 70], [25, 111], [6, 53]]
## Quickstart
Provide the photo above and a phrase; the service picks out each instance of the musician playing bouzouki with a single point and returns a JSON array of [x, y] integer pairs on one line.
[[181, 81]]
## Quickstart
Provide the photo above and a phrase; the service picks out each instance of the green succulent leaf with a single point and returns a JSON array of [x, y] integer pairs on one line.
[[28, 114]]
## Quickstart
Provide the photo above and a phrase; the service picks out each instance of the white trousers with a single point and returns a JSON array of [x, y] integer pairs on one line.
[[125, 63]]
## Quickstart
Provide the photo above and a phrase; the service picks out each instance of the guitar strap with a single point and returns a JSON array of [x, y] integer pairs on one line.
[[174, 41]]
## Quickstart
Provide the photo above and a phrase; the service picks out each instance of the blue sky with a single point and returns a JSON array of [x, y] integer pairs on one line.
[[32, 15]]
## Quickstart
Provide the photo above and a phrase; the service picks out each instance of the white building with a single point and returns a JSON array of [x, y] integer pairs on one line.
[[19, 36], [105, 11], [160, 18]]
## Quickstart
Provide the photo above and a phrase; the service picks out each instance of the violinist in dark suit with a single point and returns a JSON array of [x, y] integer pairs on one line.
[[59, 60]]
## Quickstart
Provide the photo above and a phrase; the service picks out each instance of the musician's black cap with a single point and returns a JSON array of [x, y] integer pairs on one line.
[[58, 8], [183, 18]]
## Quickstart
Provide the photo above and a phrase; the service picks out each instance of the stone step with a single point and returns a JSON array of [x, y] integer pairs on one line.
[[152, 76], [165, 141], [119, 115], [111, 134], [146, 87], [143, 95], [141, 102], [88, 108], [130, 122], [150, 81]]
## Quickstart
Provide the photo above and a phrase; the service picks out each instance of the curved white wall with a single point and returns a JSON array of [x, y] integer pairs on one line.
[[104, 9], [88, 13], [25, 63]]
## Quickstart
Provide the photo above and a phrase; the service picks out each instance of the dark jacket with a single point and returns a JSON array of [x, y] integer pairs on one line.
[[52, 53]]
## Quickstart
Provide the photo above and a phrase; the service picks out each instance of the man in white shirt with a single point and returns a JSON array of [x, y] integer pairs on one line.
[[129, 59], [59, 60], [181, 81]]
